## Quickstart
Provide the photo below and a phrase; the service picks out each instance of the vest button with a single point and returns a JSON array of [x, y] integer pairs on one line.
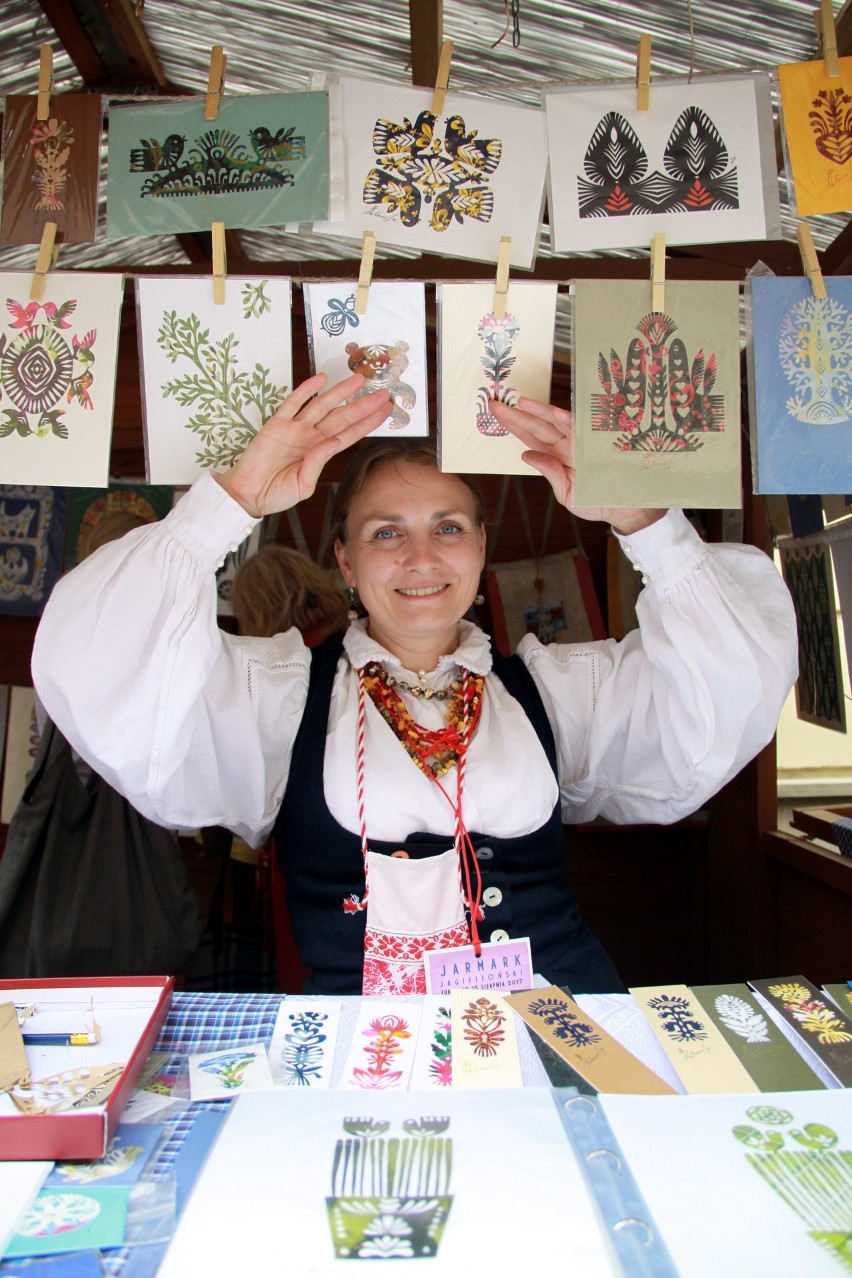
[[492, 896], [484, 854], [500, 934]]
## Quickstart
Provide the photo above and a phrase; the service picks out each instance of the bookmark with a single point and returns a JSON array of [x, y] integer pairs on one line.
[[485, 1044], [819, 1025], [753, 1036], [703, 1060], [14, 1068], [433, 1055], [382, 1051], [227, 1073], [596, 1056], [301, 1053]]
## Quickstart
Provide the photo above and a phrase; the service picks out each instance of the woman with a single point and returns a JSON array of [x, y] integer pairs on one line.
[[416, 783]]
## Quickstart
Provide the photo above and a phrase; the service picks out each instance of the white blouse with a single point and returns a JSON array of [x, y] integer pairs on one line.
[[196, 727]]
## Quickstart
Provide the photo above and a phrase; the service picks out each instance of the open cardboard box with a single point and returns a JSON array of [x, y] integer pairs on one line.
[[86, 1133]]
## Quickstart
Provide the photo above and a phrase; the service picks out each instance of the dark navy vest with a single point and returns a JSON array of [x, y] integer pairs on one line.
[[322, 862]]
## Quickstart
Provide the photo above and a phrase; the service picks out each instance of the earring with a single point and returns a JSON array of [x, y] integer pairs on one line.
[[479, 600], [352, 614]]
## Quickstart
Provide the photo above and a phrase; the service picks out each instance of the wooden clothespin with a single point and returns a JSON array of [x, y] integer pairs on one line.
[[501, 283], [215, 81], [220, 262], [45, 81], [48, 252], [442, 79], [658, 272], [824, 23], [810, 261], [643, 73], [365, 274]]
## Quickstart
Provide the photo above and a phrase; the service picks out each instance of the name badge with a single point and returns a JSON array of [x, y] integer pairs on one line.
[[501, 965]]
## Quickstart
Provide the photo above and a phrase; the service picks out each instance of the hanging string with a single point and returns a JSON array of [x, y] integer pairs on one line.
[[691, 40]]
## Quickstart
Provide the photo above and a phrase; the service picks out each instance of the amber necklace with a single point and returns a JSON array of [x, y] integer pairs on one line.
[[434, 752]]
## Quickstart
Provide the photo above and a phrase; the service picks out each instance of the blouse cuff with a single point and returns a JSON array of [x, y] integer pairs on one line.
[[667, 549], [209, 522]]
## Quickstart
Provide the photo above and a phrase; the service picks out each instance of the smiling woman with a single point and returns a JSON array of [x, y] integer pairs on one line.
[[416, 782]]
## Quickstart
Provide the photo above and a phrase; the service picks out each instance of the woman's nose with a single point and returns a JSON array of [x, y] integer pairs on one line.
[[418, 551]]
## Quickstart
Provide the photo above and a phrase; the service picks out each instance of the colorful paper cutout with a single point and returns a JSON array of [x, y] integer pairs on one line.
[[817, 115], [71, 1220], [485, 1042], [88, 508], [552, 597], [301, 1053], [750, 1032], [433, 1060], [122, 1164], [698, 1051], [224, 1074], [821, 1026], [383, 1043], [262, 162]]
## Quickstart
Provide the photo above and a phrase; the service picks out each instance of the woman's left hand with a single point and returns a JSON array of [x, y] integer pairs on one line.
[[548, 433]]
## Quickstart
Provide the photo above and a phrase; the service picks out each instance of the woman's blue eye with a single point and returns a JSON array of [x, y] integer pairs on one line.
[[449, 528], [385, 534]]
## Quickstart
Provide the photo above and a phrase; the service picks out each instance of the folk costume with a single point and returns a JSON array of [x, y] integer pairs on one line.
[[347, 762]]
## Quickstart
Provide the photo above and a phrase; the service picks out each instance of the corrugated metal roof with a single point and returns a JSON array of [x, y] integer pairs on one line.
[[277, 45]]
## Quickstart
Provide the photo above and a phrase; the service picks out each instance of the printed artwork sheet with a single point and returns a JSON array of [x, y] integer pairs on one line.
[[262, 162], [770, 1059], [657, 395], [386, 345], [94, 514], [384, 1041], [692, 1041], [32, 539], [841, 558], [22, 743], [819, 687], [67, 1220], [698, 165], [57, 377], [800, 370], [211, 374], [482, 356], [817, 119], [326, 1177], [484, 1039], [744, 1184], [445, 184], [552, 597], [51, 168], [301, 1053]]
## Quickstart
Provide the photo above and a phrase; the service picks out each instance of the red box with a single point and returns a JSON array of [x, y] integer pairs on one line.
[[85, 1134]]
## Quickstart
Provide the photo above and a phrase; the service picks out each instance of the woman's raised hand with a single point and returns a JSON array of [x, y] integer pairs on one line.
[[283, 462], [548, 433]]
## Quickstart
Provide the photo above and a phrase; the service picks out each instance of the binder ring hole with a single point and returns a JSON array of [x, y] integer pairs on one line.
[[646, 1234], [605, 1153], [583, 1101]]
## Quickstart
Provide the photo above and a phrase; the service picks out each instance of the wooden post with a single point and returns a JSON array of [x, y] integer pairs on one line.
[[426, 20]]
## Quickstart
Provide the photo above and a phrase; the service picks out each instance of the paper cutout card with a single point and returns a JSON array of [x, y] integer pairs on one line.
[[57, 377], [433, 1058], [819, 687], [841, 558], [262, 162], [224, 1074], [93, 512], [484, 1040], [696, 1048], [657, 395], [815, 111], [800, 383], [585, 1045], [72, 1220], [387, 345], [301, 1053], [32, 539], [387, 1177], [776, 1169], [698, 165], [821, 1026], [22, 743], [383, 1043], [211, 374], [552, 597], [51, 168], [770, 1060], [482, 357], [443, 184], [124, 1162]]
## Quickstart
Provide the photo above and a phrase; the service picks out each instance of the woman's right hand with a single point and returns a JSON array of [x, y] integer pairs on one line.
[[282, 464]]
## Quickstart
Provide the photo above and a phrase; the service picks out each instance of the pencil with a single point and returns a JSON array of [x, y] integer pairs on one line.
[[60, 1040]]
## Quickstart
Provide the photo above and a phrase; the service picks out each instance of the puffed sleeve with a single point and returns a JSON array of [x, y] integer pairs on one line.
[[193, 726], [650, 727]]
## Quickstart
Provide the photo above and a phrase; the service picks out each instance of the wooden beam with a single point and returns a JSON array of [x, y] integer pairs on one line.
[[426, 20], [107, 43], [74, 38], [843, 28], [837, 258]]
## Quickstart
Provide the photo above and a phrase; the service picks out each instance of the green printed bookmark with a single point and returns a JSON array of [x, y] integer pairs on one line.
[[819, 1024], [840, 994], [771, 1061]]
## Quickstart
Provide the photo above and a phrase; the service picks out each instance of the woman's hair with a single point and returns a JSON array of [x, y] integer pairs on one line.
[[279, 587], [374, 452]]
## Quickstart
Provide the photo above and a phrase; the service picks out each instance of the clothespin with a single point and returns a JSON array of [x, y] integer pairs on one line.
[[442, 79], [824, 23], [810, 261], [215, 81], [501, 283], [643, 73], [220, 262], [365, 274], [658, 272], [45, 81], [48, 252]]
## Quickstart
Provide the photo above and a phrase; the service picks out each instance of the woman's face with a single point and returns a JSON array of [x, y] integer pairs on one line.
[[415, 553]]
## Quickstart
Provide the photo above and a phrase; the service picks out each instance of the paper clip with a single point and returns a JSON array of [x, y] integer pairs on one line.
[[810, 261], [824, 23], [45, 81], [643, 73], [501, 283], [365, 274], [215, 81], [658, 272], [47, 254], [442, 79], [220, 261]]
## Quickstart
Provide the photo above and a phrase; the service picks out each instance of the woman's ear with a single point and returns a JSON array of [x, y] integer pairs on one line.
[[343, 562], [482, 547]]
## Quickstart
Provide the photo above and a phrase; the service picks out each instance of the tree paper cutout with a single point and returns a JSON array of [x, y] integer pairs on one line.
[[390, 1195], [815, 350]]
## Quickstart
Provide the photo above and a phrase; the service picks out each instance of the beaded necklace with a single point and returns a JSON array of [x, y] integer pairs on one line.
[[434, 752]]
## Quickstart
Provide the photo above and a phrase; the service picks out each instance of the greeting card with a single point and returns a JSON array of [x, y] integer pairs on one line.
[[817, 115]]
